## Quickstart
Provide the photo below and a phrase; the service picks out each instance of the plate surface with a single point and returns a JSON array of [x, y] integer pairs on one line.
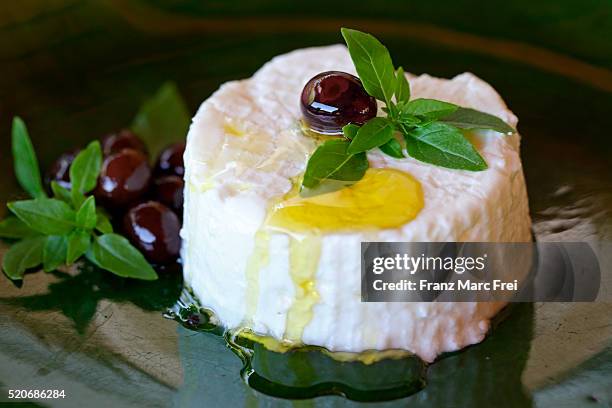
[[75, 70]]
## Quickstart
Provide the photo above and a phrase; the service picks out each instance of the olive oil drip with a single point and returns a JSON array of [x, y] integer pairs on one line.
[[304, 254], [260, 257], [384, 198], [366, 357]]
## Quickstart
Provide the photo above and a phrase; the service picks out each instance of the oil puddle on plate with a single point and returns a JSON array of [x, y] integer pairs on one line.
[[309, 372]]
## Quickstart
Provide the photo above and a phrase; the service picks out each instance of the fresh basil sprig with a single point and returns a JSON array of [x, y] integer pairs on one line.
[[84, 172], [373, 64], [26, 168], [443, 145], [374, 133], [25, 254], [429, 130], [59, 230], [162, 119], [333, 161]]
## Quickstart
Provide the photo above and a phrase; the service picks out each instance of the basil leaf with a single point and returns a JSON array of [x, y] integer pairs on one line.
[[13, 227], [405, 118], [429, 108], [78, 243], [350, 131], [325, 186], [374, 133], [23, 255], [84, 171], [61, 193], [467, 118], [54, 252], [332, 161], [115, 254], [103, 223], [393, 148], [86, 215], [443, 145], [25, 161], [402, 87], [47, 215], [373, 64], [162, 120]]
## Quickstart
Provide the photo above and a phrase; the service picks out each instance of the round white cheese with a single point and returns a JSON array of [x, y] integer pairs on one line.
[[245, 150]]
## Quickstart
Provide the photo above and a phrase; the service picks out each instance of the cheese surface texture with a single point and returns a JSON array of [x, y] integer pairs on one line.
[[259, 256]]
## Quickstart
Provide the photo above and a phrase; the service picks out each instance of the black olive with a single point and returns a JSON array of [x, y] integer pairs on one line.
[[123, 139], [333, 99], [169, 191], [154, 229], [124, 178], [170, 161], [59, 170]]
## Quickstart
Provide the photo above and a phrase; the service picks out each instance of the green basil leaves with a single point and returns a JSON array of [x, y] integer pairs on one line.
[[430, 128]]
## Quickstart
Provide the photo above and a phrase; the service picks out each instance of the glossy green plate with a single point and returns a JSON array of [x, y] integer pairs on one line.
[[75, 70]]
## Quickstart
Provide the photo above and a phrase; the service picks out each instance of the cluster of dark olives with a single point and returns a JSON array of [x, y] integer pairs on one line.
[[146, 203]]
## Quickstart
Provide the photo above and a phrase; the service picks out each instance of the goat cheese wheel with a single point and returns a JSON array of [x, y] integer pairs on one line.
[[244, 158]]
